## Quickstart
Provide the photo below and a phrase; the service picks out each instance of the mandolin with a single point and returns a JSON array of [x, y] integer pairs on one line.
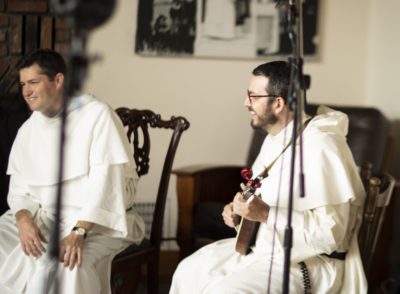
[[247, 229]]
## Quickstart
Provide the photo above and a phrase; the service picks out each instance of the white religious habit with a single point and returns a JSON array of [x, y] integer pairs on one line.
[[324, 221], [99, 183]]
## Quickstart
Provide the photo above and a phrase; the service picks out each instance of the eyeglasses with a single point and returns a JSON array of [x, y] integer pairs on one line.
[[255, 97]]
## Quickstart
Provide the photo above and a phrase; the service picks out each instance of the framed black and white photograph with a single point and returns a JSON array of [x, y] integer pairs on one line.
[[221, 28]]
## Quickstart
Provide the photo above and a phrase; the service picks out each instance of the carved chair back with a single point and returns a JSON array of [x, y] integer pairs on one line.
[[127, 264]]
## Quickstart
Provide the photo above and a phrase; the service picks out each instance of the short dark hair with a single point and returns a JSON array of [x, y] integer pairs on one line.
[[278, 74], [49, 61]]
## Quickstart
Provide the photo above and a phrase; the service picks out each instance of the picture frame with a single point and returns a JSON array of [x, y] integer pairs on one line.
[[221, 28]]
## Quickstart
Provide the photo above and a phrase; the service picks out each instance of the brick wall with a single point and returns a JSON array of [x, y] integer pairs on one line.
[[24, 26]]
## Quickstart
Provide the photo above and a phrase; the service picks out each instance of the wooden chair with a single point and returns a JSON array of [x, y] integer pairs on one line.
[[379, 191], [127, 264]]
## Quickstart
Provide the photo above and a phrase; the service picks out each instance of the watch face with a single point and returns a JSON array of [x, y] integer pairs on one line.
[[79, 231]]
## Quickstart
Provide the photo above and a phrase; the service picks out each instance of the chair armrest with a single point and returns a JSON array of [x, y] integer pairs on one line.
[[202, 183]]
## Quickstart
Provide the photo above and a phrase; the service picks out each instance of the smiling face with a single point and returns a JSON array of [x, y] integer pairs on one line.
[[260, 105], [40, 92]]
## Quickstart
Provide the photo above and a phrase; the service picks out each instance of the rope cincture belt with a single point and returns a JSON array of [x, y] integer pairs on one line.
[[306, 275], [336, 255]]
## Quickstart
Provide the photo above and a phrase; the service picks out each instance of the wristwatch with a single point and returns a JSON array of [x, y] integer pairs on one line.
[[79, 231]]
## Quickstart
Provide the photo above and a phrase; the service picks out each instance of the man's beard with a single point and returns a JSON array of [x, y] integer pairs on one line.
[[264, 120]]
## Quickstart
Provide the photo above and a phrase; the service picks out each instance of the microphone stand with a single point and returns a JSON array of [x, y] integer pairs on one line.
[[82, 15], [77, 69], [296, 100]]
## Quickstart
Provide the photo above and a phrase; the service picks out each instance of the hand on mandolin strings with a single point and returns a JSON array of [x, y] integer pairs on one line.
[[254, 208], [230, 219]]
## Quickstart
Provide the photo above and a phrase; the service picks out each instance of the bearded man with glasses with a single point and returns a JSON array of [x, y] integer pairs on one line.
[[325, 256]]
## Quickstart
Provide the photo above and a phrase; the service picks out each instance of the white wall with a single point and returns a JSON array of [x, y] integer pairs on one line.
[[338, 75], [383, 87], [355, 66]]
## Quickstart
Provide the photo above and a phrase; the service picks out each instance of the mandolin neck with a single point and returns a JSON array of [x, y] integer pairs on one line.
[[248, 192]]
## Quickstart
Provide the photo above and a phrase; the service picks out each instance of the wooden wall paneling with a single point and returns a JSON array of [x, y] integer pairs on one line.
[[13, 81], [3, 20], [28, 6], [3, 41], [3, 35], [3, 69], [62, 42], [15, 41], [3, 50], [46, 32], [31, 28], [62, 48], [63, 36], [9, 83]]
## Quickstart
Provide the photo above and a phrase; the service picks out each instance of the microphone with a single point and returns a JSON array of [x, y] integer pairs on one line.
[[84, 15]]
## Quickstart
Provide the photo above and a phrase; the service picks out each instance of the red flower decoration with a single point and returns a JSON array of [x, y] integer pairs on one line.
[[254, 183], [246, 173]]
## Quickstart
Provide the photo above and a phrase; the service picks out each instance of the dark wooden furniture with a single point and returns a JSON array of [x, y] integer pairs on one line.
[[375, 236], [127, 264], [379, 191]]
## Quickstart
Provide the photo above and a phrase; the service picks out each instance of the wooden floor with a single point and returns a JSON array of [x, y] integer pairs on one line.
[[168, 263]]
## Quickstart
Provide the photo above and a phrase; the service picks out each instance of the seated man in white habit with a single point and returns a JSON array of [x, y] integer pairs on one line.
[[99, 182], [324, 256]]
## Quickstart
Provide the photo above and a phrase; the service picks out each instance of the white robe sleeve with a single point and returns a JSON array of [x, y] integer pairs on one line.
[[316, 231], [326, 227], [19, 196], [107, 198]]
